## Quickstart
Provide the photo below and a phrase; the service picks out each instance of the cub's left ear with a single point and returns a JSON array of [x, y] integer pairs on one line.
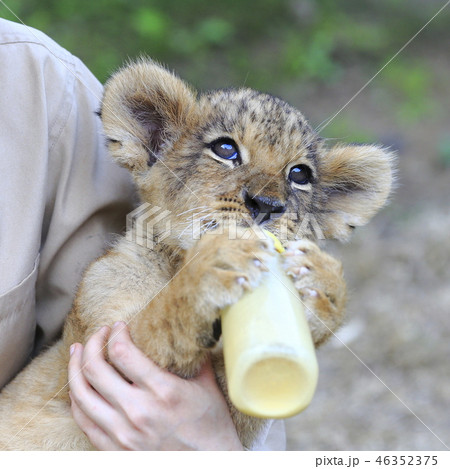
[[356, 181]]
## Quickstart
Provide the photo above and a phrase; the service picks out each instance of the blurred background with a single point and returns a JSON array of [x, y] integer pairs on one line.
[[385, 381]]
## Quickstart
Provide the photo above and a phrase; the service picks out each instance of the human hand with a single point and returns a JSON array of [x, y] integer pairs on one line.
[[156, 411]]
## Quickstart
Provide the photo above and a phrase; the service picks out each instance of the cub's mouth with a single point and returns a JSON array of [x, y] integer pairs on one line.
[[232, 213], [252, 209], [235, 220]]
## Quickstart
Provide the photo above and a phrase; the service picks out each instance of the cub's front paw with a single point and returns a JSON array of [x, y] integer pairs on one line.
[[319, 280], [216, 273]]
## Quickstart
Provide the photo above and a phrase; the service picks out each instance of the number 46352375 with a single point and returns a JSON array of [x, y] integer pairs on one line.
[[407, 460]]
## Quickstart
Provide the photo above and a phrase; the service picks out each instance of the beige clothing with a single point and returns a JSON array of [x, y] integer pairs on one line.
[[61, 195]]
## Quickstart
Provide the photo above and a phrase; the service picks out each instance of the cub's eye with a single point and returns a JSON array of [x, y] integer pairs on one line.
[[226, 149], [300, 174]]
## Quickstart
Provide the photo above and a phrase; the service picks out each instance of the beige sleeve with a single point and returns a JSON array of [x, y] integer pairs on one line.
[[61, 196]]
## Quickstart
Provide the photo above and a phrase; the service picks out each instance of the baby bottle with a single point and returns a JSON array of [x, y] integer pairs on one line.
[[270, 361]]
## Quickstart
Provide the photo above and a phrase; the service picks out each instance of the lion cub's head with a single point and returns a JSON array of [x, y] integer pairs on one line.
[[236, 154]]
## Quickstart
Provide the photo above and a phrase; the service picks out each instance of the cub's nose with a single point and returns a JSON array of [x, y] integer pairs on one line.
[[261, 207]]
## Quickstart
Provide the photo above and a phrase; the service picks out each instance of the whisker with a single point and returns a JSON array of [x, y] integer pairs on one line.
[[196, 219], [192, 209]]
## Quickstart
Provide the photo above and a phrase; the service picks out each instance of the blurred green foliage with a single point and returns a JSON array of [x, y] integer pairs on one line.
[[444, 151], [261, 44], [411, 81]]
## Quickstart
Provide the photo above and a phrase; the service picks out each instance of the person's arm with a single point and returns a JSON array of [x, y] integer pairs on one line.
[[62, 195], [154, 409]]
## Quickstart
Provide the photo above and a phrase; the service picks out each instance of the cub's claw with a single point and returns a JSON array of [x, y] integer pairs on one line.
[[319, 280]]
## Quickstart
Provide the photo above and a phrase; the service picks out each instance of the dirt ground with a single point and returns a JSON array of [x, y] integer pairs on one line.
[[385, 380]]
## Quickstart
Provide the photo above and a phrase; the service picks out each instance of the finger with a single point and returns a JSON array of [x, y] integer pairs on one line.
[[206, 374], [99, 373], [132, 362], [207, 379], [96, 435], [87, 399]]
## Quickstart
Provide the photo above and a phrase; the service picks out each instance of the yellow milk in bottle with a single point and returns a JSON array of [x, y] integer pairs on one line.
[[270, 360]]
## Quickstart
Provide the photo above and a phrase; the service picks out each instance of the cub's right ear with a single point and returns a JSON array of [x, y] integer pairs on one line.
[[145, 108]]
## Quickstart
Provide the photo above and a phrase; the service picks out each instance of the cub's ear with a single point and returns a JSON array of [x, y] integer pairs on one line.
[[145, 108], [356, 181]]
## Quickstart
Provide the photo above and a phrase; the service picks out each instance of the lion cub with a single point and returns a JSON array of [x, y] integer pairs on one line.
[[214, 161]]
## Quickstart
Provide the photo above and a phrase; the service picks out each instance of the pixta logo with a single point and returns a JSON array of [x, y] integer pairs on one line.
[[141, 224], [148, 225]]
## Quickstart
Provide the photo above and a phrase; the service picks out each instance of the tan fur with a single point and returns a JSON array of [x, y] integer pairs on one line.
[[171, 294]]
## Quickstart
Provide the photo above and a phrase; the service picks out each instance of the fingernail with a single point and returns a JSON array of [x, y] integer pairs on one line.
[[119, 324], [71, 349]]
